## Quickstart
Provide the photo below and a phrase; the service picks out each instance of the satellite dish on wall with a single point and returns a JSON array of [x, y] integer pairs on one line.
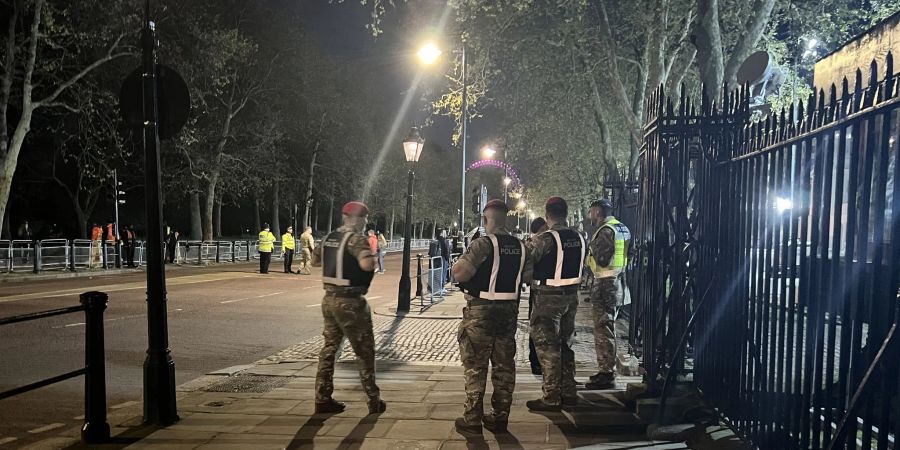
[[762, 75]]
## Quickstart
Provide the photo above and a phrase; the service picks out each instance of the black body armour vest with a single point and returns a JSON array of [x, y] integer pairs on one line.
[[339, 267], [562, 265], [499, 276]]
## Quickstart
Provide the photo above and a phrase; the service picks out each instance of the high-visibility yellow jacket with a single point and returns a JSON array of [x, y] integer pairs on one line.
[[620, 256], [287, 241], [266, 241]]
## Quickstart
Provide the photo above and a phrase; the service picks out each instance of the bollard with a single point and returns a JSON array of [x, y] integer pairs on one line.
[[248, 250], [200, 253], [233, 250], [95, 429], [418, 275], [118, 247], [103, 257], [36, 257]]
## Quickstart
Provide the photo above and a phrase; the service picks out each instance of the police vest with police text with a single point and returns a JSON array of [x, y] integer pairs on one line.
[[339, 267], [562, 265], [499, 276], [620, 257]]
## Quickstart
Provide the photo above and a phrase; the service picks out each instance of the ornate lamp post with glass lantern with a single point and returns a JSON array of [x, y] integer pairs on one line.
[[412, 149]]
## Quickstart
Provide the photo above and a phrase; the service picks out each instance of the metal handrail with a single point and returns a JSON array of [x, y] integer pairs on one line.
[[96, 427]]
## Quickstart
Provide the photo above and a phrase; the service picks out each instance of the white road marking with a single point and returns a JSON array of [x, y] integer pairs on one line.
[[178, 309], [7, 440], [308, 287], [373, 298], [191, 279], [44, 428], [72, 325], [312, 306], [251, 298]]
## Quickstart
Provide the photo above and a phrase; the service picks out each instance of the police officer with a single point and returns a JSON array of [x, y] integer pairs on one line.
[[266, 246], [558, 256], [607, 259], [490, 274], [287, 247], [348, 266]]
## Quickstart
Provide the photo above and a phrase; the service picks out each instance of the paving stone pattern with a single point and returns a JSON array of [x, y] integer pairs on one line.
[[433, 341]]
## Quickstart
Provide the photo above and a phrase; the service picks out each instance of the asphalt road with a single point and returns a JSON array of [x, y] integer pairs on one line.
[[219, 317]]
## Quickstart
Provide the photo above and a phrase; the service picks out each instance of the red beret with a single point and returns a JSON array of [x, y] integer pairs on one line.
[[497, 204], [556, 200], [355, 209]]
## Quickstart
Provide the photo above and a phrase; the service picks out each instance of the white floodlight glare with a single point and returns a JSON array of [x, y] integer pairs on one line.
[[812, 43], [429, 53], [488, 152], [783, 204]]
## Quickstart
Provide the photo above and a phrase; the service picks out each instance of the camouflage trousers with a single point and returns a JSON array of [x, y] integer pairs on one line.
[[351, 318], [605, 295], [552, 329], [487, 337], [303, 260]]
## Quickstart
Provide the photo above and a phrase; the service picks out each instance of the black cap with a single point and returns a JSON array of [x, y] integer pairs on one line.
[[602, 203]]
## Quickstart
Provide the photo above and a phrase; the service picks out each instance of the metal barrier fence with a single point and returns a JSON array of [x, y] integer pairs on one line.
[[20, 256], [96, 428], [769, 264]]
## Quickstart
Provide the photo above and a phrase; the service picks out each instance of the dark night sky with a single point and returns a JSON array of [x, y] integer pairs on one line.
[[339, 30]]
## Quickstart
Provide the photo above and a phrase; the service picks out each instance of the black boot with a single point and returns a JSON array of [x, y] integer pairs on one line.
[[540, 405], [464, 427], [330, 406], [377, 407], [495, 424]]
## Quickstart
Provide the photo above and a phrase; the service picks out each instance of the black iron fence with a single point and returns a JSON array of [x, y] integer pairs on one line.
[[96, 428], [769, 262]]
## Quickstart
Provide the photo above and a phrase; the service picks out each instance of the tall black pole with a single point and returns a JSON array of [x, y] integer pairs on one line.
[[159, 368], [465, 119], [404, 291]]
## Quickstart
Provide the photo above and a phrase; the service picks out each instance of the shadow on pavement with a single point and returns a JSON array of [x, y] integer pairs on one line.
[[309, 430], [357, 435]]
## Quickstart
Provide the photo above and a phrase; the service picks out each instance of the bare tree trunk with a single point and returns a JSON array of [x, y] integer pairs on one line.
[[218, 219], [434, 229], [256, 219], [391, 233], [5, 233], [331, 214], [210, 204], [276, 208], [315, 223], [196, 229]]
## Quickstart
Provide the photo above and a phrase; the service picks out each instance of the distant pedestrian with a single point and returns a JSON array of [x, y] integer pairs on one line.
[[538, 226], [26, 234], [172, 244], [444, 246], [266, 247], [373, 241], [287, 249], [307, 244], [382, 247], [129, 242], [490, 274], [347, 265], [96, 243]]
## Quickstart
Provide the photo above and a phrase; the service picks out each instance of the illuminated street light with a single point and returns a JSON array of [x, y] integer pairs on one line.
[[488, 153], [783, 204], [429, 53], [506, 181], [521, 204], [412, 149]]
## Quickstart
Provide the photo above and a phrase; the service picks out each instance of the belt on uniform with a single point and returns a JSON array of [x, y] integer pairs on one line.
[[555, 290], [482, 302], [344, 294]]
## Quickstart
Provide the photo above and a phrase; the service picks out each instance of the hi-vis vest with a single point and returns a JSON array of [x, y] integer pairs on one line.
[[339, 267], [620, 257], [499, 276], [266, 241], [562, 265]]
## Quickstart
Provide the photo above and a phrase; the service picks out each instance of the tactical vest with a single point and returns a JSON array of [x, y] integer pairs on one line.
[[620, 257], [339, 267], [499, 276], [562, 265]]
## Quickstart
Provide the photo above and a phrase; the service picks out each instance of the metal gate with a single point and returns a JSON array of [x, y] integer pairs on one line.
[[769, 262]]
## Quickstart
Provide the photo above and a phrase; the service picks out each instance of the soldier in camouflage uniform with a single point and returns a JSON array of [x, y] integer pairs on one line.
[[348, 266], [490, 274], [607, 259], [558, 257]]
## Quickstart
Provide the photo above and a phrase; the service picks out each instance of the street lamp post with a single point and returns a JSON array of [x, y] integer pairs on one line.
[[412, 149], [159, 368]]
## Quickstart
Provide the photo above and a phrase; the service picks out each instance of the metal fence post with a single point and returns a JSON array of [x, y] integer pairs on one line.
[[118, 247], [200, 253], [233, 250], [70, 254], [36, 256], [248, 250], [103, 256], [217, 251], [95, 429], [418, 275]]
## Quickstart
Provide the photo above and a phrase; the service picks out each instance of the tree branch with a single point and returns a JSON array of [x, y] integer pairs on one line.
[[78, 76], [753, 30]]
